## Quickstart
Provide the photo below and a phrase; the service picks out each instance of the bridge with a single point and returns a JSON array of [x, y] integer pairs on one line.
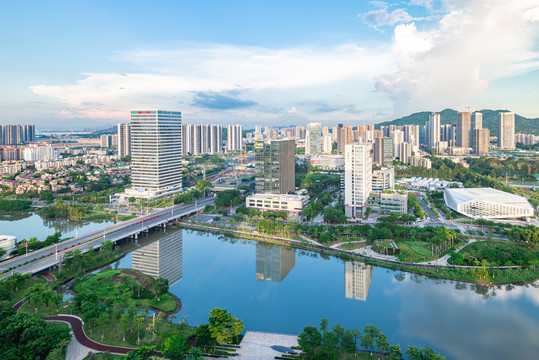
[[47, 257]]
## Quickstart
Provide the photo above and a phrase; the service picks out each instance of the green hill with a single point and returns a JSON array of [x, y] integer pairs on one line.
[[449, 116]]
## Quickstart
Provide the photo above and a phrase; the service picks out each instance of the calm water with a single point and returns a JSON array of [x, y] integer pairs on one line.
[[27, 225], [281, 289]]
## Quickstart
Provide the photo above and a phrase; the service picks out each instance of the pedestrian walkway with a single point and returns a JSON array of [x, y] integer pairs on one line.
[[258, 345], [49, 276], [368, 251], [443, 260], [336, 246], [309, 240], [77, 351]]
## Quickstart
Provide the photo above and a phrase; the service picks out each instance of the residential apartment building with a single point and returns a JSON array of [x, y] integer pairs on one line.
[[357, 177], [124, 140], [234, 141], [506, 130]]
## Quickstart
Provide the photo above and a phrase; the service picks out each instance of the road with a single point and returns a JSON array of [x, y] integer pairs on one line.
[[46, 257]]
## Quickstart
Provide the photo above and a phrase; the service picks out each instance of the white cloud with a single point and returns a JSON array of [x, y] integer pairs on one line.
[[381, 17], [272, 78], [449, 65]]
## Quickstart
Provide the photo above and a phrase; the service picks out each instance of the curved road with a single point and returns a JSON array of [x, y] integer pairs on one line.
[[80, 335]]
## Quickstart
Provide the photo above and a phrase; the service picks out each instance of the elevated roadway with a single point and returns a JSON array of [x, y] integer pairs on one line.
[[47, 257]]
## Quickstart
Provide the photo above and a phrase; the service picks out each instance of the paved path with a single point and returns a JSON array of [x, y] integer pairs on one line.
[[336, 246], [443, 260], [19, 304], [368, 251], [310, 240], [49, 276], [78, 332], [257, 345]]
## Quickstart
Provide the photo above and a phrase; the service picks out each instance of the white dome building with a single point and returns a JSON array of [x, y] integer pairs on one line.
[[487, 203]]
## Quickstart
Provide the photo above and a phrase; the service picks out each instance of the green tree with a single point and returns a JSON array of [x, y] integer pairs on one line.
[[395, 352], [310, 340], [203, 336], [223, 326], [143, 352], [174, 347], [160, 286], [195, 354]]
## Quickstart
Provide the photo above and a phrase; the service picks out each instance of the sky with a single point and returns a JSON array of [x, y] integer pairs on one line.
[[267, 62]]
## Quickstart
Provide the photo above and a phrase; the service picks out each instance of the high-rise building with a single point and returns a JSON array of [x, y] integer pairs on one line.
[[234, 140], [405, 151], [357, 177], [433, 130], [357, 280], [481, 141], [39, 152], [156, 153], [506, 130], [327, 144], [345, 135], [398, 138], [198, 139], [275, 170], [108, 141], [17, 134], [447, 134], [124, 140], [274, 262], [383, 179], [313, 139], [383, 151], [411, 135], [162, 258], [464, 125]]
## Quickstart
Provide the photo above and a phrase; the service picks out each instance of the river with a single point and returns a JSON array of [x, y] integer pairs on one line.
[[281, 289]]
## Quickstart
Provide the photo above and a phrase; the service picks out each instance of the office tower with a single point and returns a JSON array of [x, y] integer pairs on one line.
[[325, 131], [274, 262], [432, 130], [357, 177], [383, 151], [344, 136], [313, 139], [258, 129], [463, 129], [124, 140], [481, 141], [156, 159], [162, 258], [357, 280], [506, 130], [234, 140], [275, 170], [404, 152]]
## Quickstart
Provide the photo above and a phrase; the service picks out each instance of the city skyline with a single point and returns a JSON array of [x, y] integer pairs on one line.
[[305, 62]]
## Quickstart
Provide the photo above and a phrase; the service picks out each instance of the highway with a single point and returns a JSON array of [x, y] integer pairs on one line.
[[46, 257]]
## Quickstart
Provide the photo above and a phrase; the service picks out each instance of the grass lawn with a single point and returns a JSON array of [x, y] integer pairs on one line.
[[25, 286], [102, 356], [414, 253], [352, 246], [109, 283]]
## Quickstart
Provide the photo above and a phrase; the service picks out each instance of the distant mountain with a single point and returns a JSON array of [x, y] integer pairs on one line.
[[111, 130], [449, 116]]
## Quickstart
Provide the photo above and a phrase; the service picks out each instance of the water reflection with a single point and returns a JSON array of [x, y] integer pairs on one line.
[[161, 258], [357, 280], [274, 262]]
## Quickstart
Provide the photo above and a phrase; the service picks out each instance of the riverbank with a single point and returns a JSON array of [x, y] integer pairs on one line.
[[471, 274]]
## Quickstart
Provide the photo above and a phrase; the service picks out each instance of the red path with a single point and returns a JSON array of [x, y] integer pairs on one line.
[[49, 276], [78, 331]]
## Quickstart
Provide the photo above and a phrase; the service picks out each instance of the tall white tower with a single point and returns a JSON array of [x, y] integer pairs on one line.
[[357, 177]]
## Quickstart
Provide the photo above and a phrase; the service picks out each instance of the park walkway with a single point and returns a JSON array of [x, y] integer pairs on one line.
[[443, 260], [258, 345], [49, 276], [76, 325]]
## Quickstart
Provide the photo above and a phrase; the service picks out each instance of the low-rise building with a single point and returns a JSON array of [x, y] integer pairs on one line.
[[383, 179], [328, 162], [419, 161], [290, 203], [388, 202], [7, 242]]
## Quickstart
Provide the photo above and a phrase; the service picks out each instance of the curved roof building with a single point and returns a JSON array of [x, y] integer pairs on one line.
[[487, 203]]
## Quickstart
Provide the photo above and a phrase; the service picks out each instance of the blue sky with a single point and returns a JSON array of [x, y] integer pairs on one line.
[[82, 63]]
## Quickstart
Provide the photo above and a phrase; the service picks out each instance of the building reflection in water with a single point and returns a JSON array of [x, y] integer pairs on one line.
[[274, 262], [357, 280], [161, 258]]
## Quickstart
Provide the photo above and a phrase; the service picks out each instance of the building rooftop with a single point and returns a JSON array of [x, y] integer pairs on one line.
[[486, 194]]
